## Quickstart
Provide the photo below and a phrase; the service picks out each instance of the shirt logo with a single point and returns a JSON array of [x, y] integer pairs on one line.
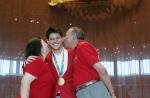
[[75, 58]]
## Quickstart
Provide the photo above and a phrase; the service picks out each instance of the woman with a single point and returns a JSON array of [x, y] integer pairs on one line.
[[37, 81], [60, 60]]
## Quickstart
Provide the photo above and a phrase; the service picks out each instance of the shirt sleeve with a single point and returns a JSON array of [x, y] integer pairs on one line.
[[87, 53], [35, 68]]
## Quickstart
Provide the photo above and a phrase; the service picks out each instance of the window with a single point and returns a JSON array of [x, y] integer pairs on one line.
[[145, 66], [124, 68], [127, 68], [109, 66], [10, 67]]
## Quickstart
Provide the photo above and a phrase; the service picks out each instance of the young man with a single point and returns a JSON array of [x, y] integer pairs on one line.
[[60, 61], [88, 71]]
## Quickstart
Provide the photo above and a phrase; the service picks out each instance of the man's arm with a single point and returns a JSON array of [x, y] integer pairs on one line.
[[104, 77]]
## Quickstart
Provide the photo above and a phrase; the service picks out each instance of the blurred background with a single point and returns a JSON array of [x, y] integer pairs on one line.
[[120, 29]]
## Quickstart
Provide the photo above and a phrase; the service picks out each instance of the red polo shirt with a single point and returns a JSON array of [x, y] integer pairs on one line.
[[85, 57], [42, 87], [67, 90]]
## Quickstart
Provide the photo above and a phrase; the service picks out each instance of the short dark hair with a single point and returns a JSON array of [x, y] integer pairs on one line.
[[33, 47], [53, 30]]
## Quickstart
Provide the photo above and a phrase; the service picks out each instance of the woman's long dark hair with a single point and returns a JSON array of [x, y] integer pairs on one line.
[[33, 47]]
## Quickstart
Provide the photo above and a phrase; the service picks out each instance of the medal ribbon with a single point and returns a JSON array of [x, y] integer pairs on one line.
[[59, 68]]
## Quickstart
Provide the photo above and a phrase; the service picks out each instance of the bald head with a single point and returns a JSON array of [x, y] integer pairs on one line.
[[73, 35], [77, 31]]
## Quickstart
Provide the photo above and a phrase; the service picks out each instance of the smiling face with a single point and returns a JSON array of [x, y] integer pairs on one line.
[[55, 41]]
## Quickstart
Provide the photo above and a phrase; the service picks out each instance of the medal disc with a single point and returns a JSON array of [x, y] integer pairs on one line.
[[61, 81]]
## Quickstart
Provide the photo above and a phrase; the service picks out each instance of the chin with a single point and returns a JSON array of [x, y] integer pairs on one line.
[[56, 48]]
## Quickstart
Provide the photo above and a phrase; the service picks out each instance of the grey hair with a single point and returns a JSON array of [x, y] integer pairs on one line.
[[78, 31]]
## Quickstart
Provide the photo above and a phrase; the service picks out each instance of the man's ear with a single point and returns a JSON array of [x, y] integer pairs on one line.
[[74, 36]]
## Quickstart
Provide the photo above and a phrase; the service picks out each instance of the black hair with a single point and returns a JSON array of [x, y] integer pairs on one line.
[[53, 30], [33, 47]]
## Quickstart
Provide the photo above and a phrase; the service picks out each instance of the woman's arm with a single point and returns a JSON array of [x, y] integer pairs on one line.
[[25, 84]]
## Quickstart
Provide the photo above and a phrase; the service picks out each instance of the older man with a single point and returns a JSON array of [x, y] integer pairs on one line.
[[90, 76]]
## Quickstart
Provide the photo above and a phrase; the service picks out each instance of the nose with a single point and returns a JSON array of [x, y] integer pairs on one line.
[[55, 40]]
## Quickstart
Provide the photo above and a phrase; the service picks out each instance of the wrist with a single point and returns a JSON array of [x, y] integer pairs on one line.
[[113, 96], [112, 93]]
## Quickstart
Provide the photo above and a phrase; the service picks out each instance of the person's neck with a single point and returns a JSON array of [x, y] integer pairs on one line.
[[58, 51]]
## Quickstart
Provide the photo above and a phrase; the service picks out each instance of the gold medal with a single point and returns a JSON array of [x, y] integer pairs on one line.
[[61, 81], [60, 69]]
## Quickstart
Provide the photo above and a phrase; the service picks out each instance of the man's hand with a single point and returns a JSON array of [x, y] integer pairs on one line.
[[98, 51], [114, 96]]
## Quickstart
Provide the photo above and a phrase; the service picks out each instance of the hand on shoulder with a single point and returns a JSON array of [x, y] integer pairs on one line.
[[29, 60]]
